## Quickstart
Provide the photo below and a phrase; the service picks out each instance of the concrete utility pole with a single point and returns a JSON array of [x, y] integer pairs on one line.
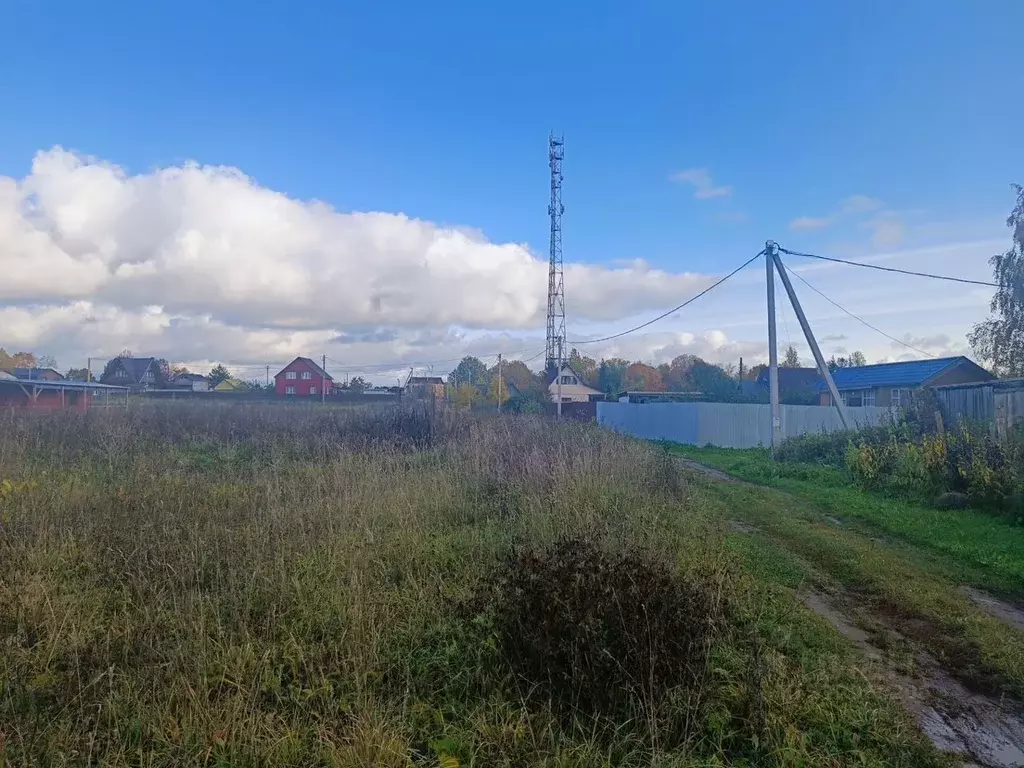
[[323, 379], [268, 375], [811, 341], [558, 376], [773, 346], [88, 369], [499, 382]]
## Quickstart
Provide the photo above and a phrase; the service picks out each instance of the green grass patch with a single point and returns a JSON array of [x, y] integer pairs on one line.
[[920, 603], [965, 546]]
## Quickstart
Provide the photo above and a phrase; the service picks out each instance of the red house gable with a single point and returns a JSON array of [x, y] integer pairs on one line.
[[302, 378]]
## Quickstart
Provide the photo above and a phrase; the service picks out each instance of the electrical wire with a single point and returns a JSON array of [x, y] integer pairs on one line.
[[889, 269], [674, 309], [861, 320], [424, 363]]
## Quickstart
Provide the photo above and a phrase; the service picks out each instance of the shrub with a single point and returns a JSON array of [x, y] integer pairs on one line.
[[597, 633], [964, 460]]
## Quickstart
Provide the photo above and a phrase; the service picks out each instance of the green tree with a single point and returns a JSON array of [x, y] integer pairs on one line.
[[853, 361], [999, 341], [611, 375], [77, 374], [680, 373], [466, 395], [516, 372], [531, 396], [358, 385], [713, 381], [512, 372], [161, 373], [218, 374], [791, 359], [585, 366], [471, 370]]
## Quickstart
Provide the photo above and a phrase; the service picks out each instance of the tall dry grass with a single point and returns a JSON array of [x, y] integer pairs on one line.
[[257, 585]]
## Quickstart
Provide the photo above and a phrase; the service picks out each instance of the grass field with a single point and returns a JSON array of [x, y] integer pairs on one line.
[[251, 585], [903, 560]]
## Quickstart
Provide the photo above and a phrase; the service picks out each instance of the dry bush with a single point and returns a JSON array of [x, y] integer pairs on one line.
[[598, 633]]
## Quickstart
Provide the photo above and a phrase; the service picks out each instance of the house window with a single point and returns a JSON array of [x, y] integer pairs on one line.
[[289, 390], [568, 380], [901, 398], [289, 375], [149, 374], [306, 375], [312, 390], [855, 398]]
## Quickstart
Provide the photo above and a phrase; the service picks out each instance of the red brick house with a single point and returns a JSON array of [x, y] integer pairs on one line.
[[303, 378]]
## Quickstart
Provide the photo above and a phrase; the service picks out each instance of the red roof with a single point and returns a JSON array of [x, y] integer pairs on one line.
[[320, 372]]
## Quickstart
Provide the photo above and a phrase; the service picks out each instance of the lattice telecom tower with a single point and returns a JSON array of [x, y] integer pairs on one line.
[[556, 288]]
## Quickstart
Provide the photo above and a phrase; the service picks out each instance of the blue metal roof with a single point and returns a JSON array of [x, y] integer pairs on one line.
[[62, 384], [912, 373]]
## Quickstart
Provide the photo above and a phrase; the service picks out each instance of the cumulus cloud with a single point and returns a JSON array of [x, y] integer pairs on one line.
[[704, 187], [199, 260]]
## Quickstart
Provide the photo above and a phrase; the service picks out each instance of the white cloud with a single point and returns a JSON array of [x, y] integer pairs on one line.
[[703, 185], [808, 222], [854, 205], [887, 230], [237, 269], [201, 264]]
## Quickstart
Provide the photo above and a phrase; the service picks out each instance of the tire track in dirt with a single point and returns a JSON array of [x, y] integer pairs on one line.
[[988, 732]]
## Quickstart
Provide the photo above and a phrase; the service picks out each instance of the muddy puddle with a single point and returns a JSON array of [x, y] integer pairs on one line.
[[985, 731]]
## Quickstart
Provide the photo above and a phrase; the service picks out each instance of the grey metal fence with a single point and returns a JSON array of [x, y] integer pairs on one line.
[[726, 425]]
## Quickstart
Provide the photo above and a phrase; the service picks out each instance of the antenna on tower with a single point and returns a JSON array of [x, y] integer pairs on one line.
[[556, 289]]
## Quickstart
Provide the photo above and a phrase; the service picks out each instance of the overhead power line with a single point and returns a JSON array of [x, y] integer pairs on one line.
[[889, 269], [674, 309], [423, 363], [861, 320]]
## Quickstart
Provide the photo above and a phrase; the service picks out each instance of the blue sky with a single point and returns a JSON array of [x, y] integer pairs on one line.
[[441, 111]]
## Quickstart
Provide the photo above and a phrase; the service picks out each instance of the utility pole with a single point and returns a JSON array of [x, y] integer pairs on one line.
[[88, 369], [558, 387], [773, 346], [811, 341], [499, 382], [268, 376], [323, 379]]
